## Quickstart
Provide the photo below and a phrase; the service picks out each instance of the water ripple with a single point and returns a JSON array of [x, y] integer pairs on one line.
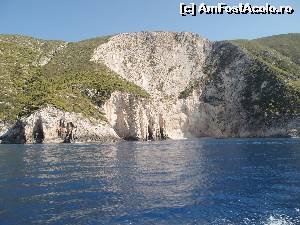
[[200, 181]]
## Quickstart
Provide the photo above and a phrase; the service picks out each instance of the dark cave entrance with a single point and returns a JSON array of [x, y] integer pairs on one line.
[[162, 133], [150, 133], [38, 131], [69, 134]]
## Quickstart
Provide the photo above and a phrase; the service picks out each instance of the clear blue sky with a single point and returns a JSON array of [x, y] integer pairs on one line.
[[73, 20]]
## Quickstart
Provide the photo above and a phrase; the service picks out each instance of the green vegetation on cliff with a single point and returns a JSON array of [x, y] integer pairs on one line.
[[274, 74], [286, 44], [68, 80]]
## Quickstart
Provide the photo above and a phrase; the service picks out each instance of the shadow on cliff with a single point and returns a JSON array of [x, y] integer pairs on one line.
[[15, 135], [132, 125], [121, 127], [66, 132]]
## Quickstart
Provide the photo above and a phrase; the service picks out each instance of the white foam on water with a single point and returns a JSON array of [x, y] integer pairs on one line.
[[279, 220]]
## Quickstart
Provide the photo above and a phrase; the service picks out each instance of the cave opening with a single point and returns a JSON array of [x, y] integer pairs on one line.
[[69, 134], [150, 133], [162, 133], [61, 129], [38, 131]]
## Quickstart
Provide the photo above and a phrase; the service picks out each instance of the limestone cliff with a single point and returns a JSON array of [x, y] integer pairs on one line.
[[153, 86], [163, 63]]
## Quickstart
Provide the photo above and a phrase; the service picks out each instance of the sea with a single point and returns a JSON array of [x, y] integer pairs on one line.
[[196, 181]]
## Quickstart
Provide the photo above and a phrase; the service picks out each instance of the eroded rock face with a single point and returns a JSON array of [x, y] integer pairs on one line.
[[165, 64], [143, 119], [225, 97], [51, 125], [162, 63]]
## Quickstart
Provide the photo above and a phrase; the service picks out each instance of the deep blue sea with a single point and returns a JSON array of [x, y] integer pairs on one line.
[[199, 181]]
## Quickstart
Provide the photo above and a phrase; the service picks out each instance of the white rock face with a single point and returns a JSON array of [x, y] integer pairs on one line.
[[51, 125], [143, 119], [162, 63], [3, 128]]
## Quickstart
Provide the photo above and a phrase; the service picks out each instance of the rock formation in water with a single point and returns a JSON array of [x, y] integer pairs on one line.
[[158, 85]]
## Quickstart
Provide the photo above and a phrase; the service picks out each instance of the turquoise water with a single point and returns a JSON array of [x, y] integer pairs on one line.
[[200, 181]]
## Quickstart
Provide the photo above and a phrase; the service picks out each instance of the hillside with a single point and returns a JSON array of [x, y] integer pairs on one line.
[[35, 73], [286, 44], [276, 62], [280, 52]]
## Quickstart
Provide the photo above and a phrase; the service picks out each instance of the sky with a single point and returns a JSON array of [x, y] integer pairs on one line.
[[73, 20]]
